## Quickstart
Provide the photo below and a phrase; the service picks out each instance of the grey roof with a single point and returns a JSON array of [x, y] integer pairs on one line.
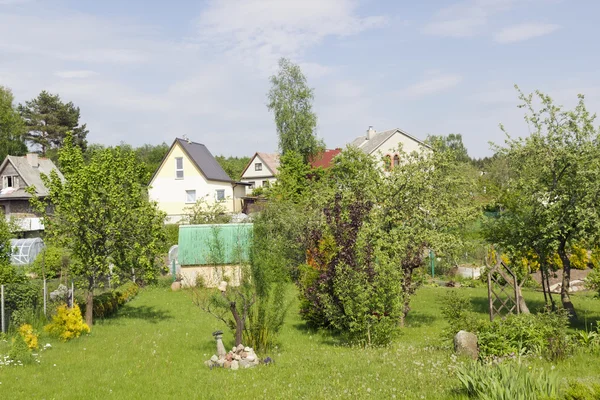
[[369, 146], [30, 175], [204, 160]]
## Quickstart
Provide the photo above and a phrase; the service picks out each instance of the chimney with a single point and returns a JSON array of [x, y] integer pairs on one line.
[[32, 159], [370, 133]]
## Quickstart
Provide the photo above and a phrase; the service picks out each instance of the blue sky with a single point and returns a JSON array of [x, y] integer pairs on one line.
[[148, 71]]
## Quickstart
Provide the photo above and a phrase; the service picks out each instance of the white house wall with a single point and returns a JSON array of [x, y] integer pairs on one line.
[[251, 175]]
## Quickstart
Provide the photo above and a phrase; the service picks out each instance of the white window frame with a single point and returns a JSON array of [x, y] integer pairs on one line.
[[14, 181], [252, 184], [187, 196], [177, 169], [258, 166], [217, 194]]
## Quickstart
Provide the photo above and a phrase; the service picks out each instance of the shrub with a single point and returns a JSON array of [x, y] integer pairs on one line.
[[107, 304], [19, 350], [507, 381], [22, 295], [67, 323], [29, 335], [593, 280], [456, 310]]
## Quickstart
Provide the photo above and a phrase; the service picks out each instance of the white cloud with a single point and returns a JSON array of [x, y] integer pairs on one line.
[[260, 31], [431, 85], [69, 74], [465, 18], [521, 32]]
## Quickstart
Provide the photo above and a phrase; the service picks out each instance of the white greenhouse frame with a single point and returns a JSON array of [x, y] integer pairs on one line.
[[24, 251]]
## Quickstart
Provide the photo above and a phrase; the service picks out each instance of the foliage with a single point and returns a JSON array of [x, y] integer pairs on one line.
[[102, 215], [456, 310], [203, 212], [48, 120], [67, 323], [233, 166], [290, 100], [504, 381], [108, 303], [29, 335], [171, 236], [53, 261], [21, 295], [578, 390], [593, 280], [20, 351], [12, 127], [550, 201], [451, 143], [292, 180]]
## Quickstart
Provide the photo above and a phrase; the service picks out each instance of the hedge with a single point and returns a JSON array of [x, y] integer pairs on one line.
[[106, 304]]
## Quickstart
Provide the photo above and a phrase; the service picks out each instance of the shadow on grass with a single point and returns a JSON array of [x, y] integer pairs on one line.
[[149, 314], [417, 319]]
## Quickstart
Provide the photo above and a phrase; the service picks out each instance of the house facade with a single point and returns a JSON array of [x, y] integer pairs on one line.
[[189, 173], [261, 171], [16, 175], [384, 145]]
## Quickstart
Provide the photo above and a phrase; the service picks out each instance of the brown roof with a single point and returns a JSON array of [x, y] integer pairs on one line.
[[271, 161]]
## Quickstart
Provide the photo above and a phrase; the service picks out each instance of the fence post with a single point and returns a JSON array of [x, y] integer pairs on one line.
[[45, 296], [2, 307], [72, 294]]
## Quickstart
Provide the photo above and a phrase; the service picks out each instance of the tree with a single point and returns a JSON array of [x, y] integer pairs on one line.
[[100, 212], [290, 100], [234, 166], [12, 127], [551, 199], [48, 120], [452, 143]]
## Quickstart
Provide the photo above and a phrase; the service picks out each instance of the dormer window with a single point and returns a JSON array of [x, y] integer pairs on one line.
[[258, 166], [179, 168], [10, 181]]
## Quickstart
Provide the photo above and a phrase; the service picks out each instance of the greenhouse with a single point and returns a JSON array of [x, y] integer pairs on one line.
[[24, 251]]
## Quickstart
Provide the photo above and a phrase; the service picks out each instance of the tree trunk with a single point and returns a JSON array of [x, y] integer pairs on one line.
[[239, 324], [522, 305], [89, 307], [549, 292], [543, 275], [566, 282]]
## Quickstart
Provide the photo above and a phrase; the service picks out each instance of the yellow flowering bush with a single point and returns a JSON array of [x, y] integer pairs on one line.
[[67, 323], [579, 257], [29, 335]]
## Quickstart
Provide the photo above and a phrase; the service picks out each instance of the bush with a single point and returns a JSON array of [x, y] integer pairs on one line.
[[29, 335], [456, 311], [20, 352], [107, 304], [67, 324], [507, 381], [580, 391], [593, 280], [22, 295]]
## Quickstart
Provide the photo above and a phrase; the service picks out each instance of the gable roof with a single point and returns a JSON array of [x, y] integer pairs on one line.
[[325, 159], [271, 161], [30, 175], [370, 145], [202, 159]]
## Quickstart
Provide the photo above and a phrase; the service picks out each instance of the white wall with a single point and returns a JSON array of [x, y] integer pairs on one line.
[[251, 175]]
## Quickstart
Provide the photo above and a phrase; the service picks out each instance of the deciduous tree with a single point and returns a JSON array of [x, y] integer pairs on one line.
[[12, 127]]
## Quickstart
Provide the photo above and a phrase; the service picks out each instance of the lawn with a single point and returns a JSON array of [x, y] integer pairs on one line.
[[156, 345]]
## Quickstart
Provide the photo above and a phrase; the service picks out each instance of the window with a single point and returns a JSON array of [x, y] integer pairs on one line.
[[252, 184], [190, 196], [265, 183], [10, 182], [220, 195], [396, 160], [179, 167], [258, 166]]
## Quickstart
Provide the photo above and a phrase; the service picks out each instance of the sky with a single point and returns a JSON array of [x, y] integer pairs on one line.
[[146, 71]]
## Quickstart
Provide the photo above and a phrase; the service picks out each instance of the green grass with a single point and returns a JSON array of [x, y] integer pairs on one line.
[[156, 345]]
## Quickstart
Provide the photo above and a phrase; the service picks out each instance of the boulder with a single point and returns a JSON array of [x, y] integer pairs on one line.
[[175, 286], [235, 365], [465, 343], [214, 358], [245, 363], [239, 348]]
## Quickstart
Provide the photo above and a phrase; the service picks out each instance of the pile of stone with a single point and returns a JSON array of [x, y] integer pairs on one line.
[[238, 357]]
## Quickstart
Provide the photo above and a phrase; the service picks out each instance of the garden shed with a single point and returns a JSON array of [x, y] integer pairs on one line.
[[24, 251], [213, 253]]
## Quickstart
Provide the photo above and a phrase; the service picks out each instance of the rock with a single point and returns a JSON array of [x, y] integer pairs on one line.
[[175, 286], [214, 358], [237, 357], [220, 362], [251, 358], [465, 343], [234, 349], [208, 363], [227, 364], [245, 363], [247, 349], [229, 357], [243, 354], [239, 348], [235, 365]]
